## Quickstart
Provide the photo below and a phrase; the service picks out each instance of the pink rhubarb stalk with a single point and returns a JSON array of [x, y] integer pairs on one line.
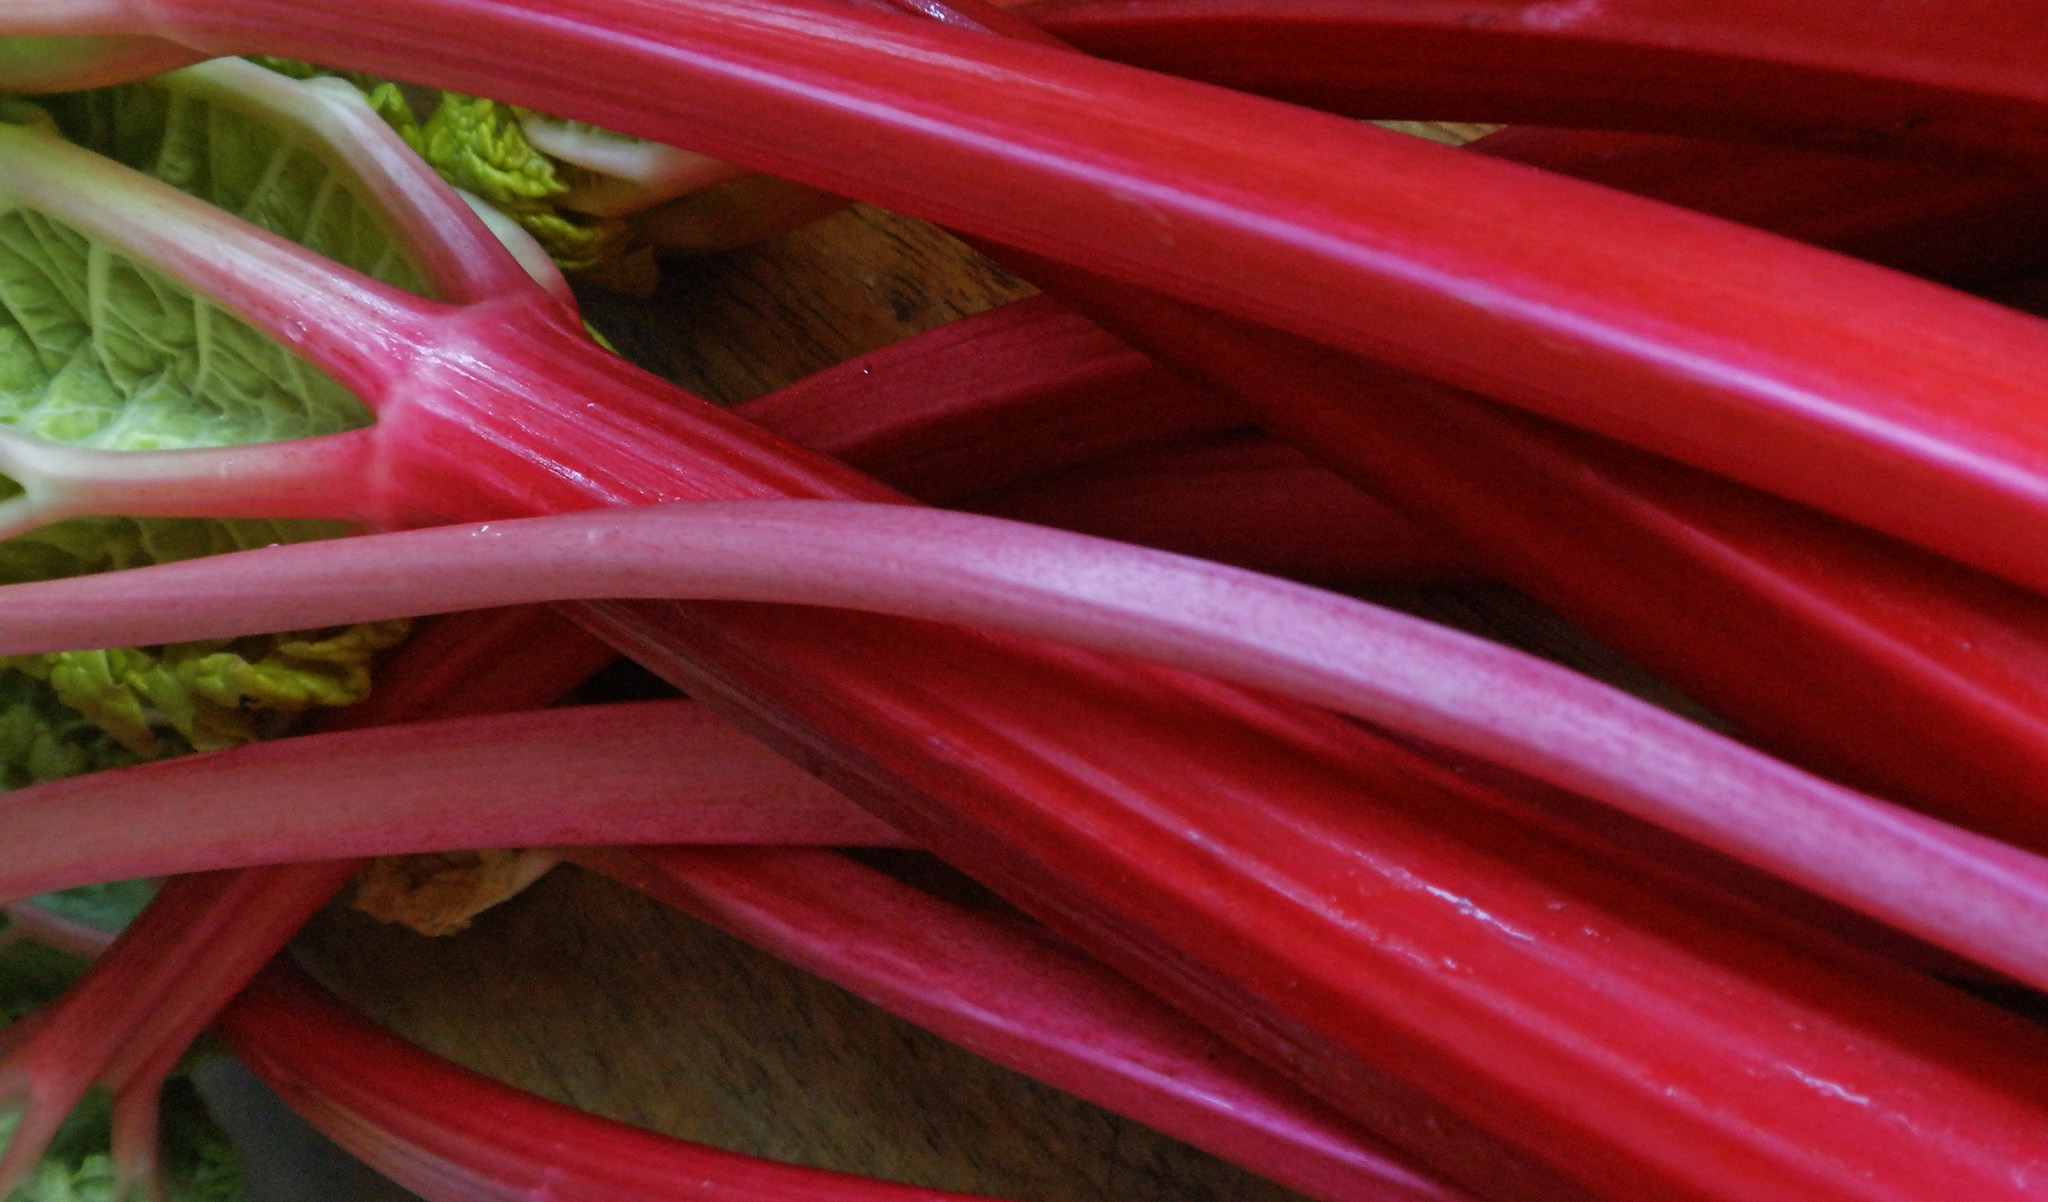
[[147, 998], [1503, 911], [1026, 1001], [649, 772], [1965, 892], [1794, 370], [1860, 657], [451, 1135], [1944, 80]]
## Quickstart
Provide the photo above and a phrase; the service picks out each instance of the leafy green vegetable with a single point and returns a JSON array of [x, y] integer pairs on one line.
[[108, 907], [477, 145], [242, 163], [199, 1164], [101, 351], [41, 738], [213, 694], [31, 975]]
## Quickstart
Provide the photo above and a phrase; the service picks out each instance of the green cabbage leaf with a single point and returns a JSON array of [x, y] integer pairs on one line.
[[99, 350], [477, 145]]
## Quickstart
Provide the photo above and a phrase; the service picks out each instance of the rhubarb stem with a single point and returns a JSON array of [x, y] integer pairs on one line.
[[1976, 896], [648, 772]]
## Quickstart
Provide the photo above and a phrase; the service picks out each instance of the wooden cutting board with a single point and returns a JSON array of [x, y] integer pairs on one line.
[[587, 993]]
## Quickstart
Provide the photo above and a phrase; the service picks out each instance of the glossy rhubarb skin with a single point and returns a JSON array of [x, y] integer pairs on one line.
[[1799, 372], [1026, 412], [1247, 501], [646, 772], [1855, 655], [992, 400], [451, 1135], [1020, 997], [445, 409], [1018, 805], [1979, 896], [497, 408], [1257, 964], [1959, 226], [1178, 889], [1947, 79]]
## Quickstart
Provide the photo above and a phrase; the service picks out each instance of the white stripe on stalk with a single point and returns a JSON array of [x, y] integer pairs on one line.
[[362, 333], [319, 478]]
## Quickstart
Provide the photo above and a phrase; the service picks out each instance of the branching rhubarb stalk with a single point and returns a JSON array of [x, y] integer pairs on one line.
[[146, 999], [983, 757], [1022, 999], [1793, 370], [289, 332]]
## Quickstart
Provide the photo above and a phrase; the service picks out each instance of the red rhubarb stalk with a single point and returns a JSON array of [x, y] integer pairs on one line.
[[1029, 412], [1013, 801], [1508, 1069], [1946, 80], [145, 1000], [1024, 1000], [1794, 370], [1931, 219], [646, 772], [997, 399], [451, 1135], [479, 662], [1860, 657], [1249, 502], [1965, 892], [1705, 562]]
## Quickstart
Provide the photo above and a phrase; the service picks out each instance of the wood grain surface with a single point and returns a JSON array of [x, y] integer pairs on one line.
[[731, 327], [590, 994]]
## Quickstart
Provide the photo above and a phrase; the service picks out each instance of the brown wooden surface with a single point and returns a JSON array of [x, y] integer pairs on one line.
[[590, 994], [731, 327], [587, 993]]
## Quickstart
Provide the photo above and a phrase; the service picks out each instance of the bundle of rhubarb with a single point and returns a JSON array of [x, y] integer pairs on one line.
[[1369, 906]]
